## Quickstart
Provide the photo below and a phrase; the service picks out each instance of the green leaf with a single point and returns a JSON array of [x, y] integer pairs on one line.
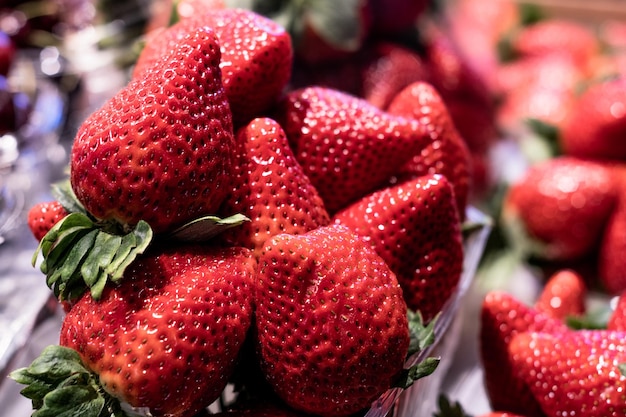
[[415, 372], [205, 228], [63, 193], [422, 335], [622, 368], [80, 254], [595, 319], [142, 235], [339, 23], [59, 385], [73, 257], [448, 409], [97, 261]]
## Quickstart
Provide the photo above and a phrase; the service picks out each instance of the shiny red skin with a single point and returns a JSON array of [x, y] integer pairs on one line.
[[564, 204], [447, 153], [270, 188], [415, 228], [563, 295], [160, 149], [331, 321], [502, 317], [257, 56], [347, 146], [579, 371], [43, 216], [167, 337]]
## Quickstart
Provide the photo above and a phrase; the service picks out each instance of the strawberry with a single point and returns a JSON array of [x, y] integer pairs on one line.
[[573, 373], [617, 318], [597, 122], [561, 204], [611, 259], [270, 188], [160, 149], [502, 317], [541, 88], [256, 56], [557, 36], [415, 228], [43, 216], [563, 295], [345, 145], [447, 153], [389, 68], [168, 336], [331, 321]]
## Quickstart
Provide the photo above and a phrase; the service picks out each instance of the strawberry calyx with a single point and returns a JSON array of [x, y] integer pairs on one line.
[[421, 337], [448, 408], [78, 254], [58, 383], [83, 253]]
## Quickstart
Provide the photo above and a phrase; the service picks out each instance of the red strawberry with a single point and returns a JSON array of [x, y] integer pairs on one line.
[[256, 56], [43, 216], [167, 338], [331, 322], [389, 68], [270, 188], [558, 36], [563, 295], [617, 319], [502, 317], [596, 125], [563, 205], [415, 228], [541, 88], [346, 146], [447, 152], [611, 259], [160, 149], [573, 373]]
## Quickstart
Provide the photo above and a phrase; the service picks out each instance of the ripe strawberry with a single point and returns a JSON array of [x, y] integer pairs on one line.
[[270, 188], [541, 88], [346, 146], [563, 295], [617, 319], [597, 122], [256, 56], [447, 153], [611, 259], [573, 373], [331, 322], [415, 228], [160, 149], [43, 216], [561, 204], [557, 36], [389, 68], [168, 336], [502, 317]]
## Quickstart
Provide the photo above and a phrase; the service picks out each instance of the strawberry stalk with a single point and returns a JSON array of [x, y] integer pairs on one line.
[[58, 383]]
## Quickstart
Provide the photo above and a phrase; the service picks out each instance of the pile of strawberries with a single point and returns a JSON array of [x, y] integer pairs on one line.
[[221, 226], [561, 97]]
